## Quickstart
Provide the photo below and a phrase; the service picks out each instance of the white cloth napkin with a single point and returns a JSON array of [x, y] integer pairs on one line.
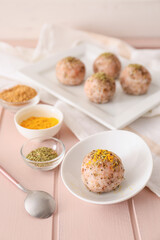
[[55, 38]]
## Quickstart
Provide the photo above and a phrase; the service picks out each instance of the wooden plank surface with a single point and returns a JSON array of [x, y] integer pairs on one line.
[[74, 219], [80, 220], [147, 214], [15, 223]]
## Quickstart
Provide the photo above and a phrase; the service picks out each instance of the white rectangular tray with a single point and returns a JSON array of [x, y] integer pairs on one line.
[[118, 113]]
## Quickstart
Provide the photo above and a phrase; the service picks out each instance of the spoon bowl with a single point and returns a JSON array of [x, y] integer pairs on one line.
[[39, 204]]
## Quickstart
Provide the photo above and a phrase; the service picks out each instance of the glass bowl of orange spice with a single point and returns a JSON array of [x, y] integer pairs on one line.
[[17, 95], [41, 120]]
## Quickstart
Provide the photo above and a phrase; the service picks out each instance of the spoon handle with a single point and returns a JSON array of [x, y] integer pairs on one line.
[[12, 179]]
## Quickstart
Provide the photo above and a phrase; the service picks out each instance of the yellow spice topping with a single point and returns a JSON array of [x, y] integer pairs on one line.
[[101, 156], [39, 122]]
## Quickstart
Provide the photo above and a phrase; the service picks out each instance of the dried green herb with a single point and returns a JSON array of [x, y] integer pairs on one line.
[[71, 59], [107, 55], [103, 77], [136, 66], [42, 154]]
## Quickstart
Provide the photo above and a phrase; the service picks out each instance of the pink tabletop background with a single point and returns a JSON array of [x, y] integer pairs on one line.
[[137, 218]]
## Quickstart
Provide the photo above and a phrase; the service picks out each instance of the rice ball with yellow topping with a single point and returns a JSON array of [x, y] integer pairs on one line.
[[102, 171]]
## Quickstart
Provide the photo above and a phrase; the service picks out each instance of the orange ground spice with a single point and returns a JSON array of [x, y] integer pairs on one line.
[[39, 122], [18, 94]]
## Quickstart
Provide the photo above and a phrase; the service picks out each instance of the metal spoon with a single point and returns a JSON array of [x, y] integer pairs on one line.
[[37, 203]]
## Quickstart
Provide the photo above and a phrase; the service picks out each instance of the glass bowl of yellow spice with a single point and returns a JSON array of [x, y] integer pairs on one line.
[[41, 120], [43, 154], [15, 96]]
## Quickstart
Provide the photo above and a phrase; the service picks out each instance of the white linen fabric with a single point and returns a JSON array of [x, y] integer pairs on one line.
[[57, 38]]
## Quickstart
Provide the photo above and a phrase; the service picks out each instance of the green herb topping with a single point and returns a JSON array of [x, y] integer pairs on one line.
[[107, 55], [71, 59], [136, 66], [103, 77]]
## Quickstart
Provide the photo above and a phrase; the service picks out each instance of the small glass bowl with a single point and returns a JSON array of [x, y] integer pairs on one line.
[[14, 107], [34, 143]]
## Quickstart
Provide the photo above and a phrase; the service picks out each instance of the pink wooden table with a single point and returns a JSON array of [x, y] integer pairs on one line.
[[137, 218]]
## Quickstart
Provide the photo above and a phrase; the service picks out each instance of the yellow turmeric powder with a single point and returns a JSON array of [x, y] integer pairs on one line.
[[39, 122]]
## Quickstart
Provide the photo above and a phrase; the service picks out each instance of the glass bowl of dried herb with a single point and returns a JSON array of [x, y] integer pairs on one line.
[[17, 95], [43, 154]]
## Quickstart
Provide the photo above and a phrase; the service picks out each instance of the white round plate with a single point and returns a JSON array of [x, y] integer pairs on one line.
[[132, 150]]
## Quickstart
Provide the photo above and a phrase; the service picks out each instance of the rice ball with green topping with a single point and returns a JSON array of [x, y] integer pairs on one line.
[[100, 88], [102, 171], [107, 63], [135, 79], [70, 71]]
